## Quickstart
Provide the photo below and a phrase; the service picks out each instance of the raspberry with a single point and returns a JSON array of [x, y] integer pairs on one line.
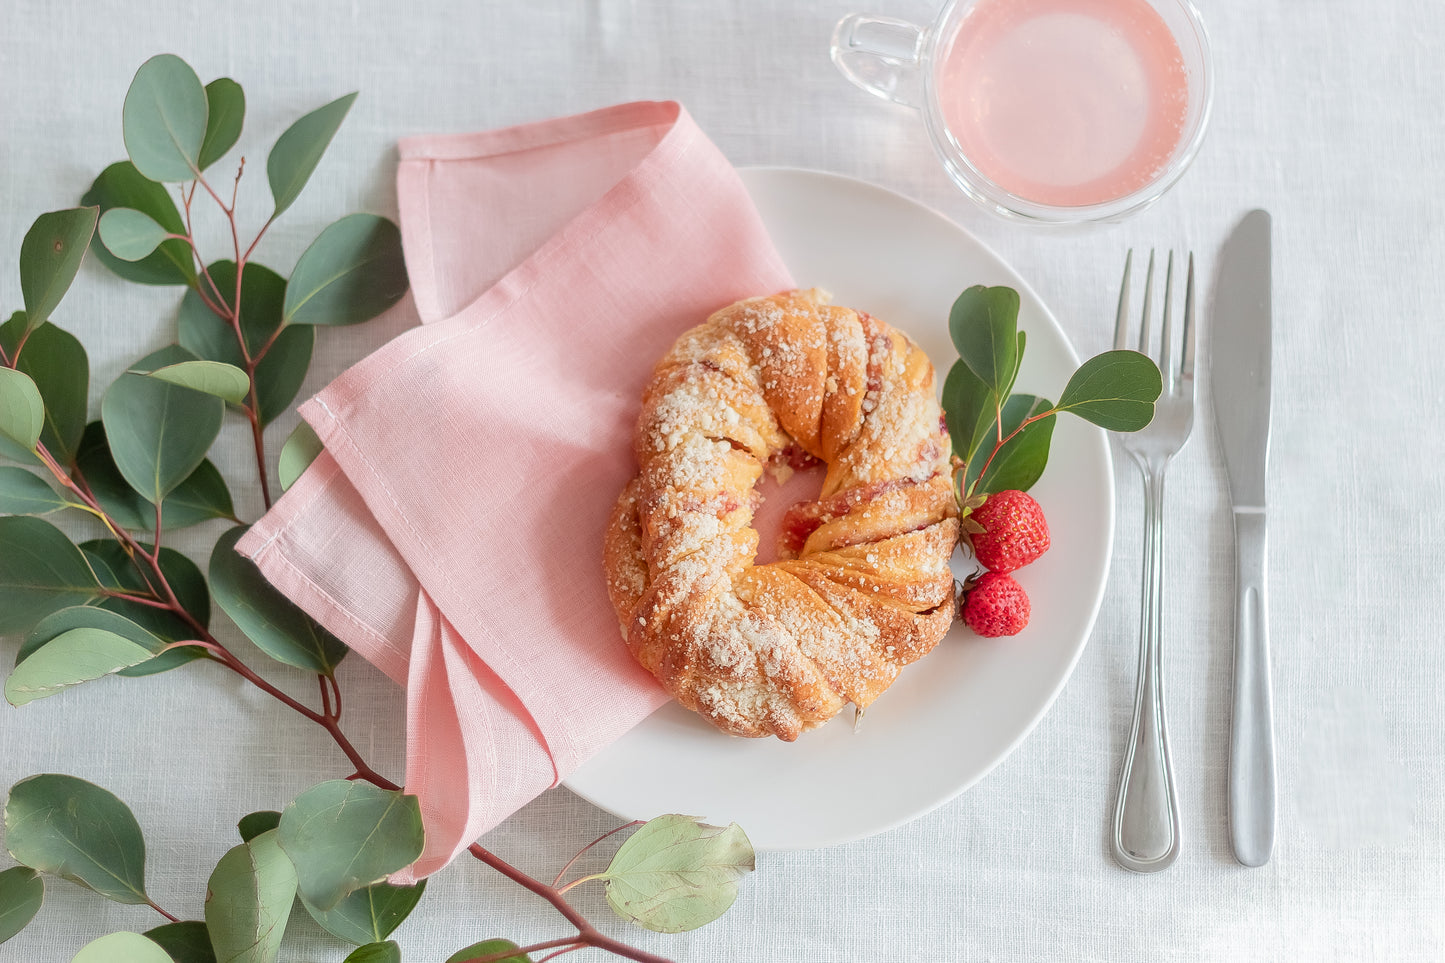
[[1014, 531], [996, 605]]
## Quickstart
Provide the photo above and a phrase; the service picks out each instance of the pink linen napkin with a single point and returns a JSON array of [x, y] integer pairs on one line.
[[451, 532]]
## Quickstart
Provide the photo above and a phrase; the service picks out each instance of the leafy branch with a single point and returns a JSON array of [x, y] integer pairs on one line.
[[1001, 439], [129, 605]]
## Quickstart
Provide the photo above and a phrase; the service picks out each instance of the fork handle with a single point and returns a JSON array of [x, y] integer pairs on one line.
[[1251, 734], [1146, 815]]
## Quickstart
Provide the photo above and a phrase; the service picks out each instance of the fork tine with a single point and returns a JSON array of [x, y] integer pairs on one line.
[[1121, 321], [1186, 365], [1166, 332], [1148, 306]]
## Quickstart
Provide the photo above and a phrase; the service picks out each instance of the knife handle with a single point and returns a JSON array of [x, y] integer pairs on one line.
[[1251, 738]]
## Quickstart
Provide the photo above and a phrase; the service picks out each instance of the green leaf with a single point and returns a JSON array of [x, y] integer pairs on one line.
[[345, 835], [268, 618], [351, 273], [164, 119], [298, 150], [81, 617], [968, 409], [368, 915], [202, 496], [387, 952], [130, 234], [78, 831], [185, 942], [226, 112], [254, 824], [297, 454], [56, 362], [21, 893], [248, 900], [676, 874], [70, 658], [280, 373], [41, 570], [50, 256], [122, 947], [121, 185], [185, 580], [984, 326], [158, 433], [22, 413], [1115, 390], [23, 493], [1022, 459], [489, 948], [217, 378]]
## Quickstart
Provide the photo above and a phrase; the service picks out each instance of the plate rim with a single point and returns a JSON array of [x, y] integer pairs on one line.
[[1110, 492]]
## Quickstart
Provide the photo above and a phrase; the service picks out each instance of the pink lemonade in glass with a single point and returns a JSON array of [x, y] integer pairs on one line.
[[1064, 102]]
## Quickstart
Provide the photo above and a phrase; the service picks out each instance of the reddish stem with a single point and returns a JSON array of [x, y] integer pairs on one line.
[[584, 849], [153, 905], [497, 957], [1004, 441]]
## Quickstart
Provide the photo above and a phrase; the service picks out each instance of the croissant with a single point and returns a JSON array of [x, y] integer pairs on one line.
[[862, 585]]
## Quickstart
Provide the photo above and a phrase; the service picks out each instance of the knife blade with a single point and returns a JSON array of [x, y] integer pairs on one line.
[[1240, 361]]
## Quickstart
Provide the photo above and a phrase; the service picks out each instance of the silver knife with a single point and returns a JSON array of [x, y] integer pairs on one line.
[[1239, 381]]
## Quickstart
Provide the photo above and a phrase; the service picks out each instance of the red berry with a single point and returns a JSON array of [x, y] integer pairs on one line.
[[996, 605], [1014, 531]]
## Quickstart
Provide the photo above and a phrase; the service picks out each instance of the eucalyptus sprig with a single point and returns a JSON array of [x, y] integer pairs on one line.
[[1001, 438], [125, 604]]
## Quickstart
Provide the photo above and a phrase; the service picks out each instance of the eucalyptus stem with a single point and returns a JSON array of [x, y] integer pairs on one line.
[[571, 942], [159, 909]]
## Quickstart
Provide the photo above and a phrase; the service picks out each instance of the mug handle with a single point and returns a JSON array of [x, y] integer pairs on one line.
[[882, 55]]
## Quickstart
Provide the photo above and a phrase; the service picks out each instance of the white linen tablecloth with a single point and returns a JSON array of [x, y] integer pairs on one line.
[[1327, 114]]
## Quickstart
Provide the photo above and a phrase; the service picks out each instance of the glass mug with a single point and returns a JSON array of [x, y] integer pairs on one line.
[[1050, 111]]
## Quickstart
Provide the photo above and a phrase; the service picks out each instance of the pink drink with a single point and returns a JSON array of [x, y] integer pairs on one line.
[[1064, 102]]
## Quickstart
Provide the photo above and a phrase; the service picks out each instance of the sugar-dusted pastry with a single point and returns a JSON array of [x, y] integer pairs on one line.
[[862, 585]]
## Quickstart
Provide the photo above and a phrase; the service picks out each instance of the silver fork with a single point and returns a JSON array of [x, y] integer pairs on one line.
[[1146, 816]]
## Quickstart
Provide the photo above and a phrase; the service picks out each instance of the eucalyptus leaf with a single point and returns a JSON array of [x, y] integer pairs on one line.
[[1022, 459], [254, 824], [130, 234], [22, 412], [78, 831], [158, 433], [488, 948], [1115, 390], [676, 874], [164, 119], [983, 324], [21, 893], [78, 617], [41, 571], [248, 900], [344, 835], [55, 360], [299, 148], [50, 256], [202, 496], [121, 185], [185, 580], [299, 451], [225, 114], [269, 619], [73, 657], [387, 952], [279, 374], [224, 381], [370, 914], [122, 947], [25, 493], [352, 272], [185, 942]]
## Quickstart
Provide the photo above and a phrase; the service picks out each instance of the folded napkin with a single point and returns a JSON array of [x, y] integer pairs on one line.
[[451, 532]]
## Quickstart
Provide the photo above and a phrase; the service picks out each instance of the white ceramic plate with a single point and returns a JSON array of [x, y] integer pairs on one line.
[[955, 715]]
